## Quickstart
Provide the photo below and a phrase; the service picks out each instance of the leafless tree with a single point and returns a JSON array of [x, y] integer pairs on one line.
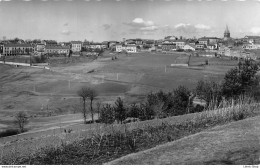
[[21, 119], [83, 93], [91, 94], [98, 107]]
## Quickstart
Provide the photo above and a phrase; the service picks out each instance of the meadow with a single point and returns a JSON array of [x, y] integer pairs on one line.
[[43, 93]]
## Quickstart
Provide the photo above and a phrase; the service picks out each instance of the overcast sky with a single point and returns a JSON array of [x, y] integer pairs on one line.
[[101, 20]]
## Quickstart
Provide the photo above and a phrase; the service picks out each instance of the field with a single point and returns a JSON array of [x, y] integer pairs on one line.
[[42, 93]]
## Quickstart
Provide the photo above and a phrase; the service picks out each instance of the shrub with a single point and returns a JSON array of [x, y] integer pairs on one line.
[[209, 91], [181, 99], [240, 80], [107, 114], [21, 119], [120, 110], [9, 132]]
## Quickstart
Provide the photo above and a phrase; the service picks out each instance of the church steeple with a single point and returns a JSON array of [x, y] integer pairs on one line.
[[226, 33]]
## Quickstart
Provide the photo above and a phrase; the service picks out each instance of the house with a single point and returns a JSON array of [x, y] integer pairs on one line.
[[119, 47], [131, 48], [17, 49], [95, 45], [179, 43], [40, 47], [200, 46], [76, 46], [251, 46], [57, 49], [168, 47], [189, 47], [104, 44], [127, 48], [223, 50], [252, 39], [111, 44], [204, 41], [212, 46]]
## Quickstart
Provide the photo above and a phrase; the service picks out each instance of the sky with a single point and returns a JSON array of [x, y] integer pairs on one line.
[[102, 20]]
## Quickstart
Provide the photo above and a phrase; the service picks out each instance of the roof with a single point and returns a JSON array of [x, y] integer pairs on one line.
[[76, 42], [168, 44], [95, 44], [57, 47], [253, 37], [191, 45], [17, 45], [203, 39]]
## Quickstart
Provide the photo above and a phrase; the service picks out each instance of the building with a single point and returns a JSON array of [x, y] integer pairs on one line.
[[204, 41], [189, 47], [200, 46], [127, 48], [226, 33], [40, 47], [49, 42], [251, 46], [179, 43], [95, 45], [252, 39], [76, 46], [17, 49], [168, 47], [57, 49]]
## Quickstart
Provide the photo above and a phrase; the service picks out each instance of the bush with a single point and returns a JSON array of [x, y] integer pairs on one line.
[[120, 110], [240, 80], [107, 114], [181, 99], [9, 132]]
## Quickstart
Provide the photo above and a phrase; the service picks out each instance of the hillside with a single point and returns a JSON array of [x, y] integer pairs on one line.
[[234, 143]]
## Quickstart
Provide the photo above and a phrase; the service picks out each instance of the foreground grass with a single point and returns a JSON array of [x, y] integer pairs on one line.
[[102, 148]]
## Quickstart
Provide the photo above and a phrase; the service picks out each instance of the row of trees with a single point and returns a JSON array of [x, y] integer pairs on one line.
[[241, 80]]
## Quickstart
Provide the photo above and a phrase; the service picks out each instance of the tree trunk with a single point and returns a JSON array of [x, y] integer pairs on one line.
[[84, 111], [91, 109]]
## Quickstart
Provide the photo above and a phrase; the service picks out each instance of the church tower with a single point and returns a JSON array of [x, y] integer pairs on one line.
[[226, 33]]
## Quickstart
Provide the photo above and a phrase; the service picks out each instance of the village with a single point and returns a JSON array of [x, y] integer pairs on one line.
[[247, 47]]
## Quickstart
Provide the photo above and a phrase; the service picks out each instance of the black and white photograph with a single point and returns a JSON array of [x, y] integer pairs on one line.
[[129, 82]]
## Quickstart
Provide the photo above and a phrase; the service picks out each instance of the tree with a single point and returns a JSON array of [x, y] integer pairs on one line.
[[120, 110], [181, 101], [92, 94], [21, 119], [107, 114], [209, 91], [240, 80], [98, 108], [83, 93]]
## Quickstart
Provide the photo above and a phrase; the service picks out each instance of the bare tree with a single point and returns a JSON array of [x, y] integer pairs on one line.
[[83, 93], [92, 94], [21, 119], [98, 107]]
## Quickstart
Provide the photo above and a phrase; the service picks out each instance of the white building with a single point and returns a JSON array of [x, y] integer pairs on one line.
[[76, 46], [189, 47], [127, 48]]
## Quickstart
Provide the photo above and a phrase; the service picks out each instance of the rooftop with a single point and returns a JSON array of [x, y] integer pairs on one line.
[[57, 47], [17, 45]]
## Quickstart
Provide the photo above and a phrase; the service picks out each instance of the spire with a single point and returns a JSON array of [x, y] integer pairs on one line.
[[227, 31]]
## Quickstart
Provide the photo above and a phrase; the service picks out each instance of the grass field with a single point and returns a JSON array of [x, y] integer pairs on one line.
[[131, 76]]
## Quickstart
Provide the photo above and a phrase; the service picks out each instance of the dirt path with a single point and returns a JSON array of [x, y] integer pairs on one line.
[[235, 143]]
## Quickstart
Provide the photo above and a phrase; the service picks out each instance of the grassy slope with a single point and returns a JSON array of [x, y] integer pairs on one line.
[[234, 143]]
